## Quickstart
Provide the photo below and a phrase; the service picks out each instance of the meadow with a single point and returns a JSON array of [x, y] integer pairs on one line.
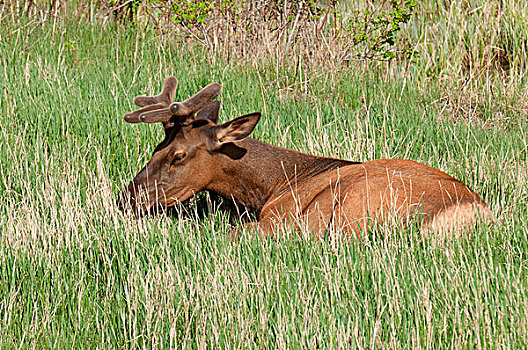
[[77, 272]]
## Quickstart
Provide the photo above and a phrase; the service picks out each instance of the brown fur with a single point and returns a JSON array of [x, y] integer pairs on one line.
[[350, 196], [285, 186]]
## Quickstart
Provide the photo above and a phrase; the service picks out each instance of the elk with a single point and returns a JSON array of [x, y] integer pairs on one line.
[[284, 186]]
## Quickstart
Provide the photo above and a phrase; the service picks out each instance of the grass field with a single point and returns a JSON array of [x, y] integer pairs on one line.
[[76, 272]]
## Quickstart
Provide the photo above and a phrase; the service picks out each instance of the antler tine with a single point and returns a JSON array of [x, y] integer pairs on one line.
[[165, 96], [176, 111], [136, 116], [160, 115], [152, 103], [202, 98]]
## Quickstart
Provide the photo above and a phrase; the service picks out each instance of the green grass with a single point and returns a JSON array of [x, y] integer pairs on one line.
[[76, 272]]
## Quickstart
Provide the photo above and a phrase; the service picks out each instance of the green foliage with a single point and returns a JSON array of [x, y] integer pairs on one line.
[[190, 13], [377, 31], [369, 33]]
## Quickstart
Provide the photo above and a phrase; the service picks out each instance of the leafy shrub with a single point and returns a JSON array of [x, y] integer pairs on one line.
[[322, 31]]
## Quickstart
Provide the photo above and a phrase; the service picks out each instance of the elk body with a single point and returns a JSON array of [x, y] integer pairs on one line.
[[284, 186]]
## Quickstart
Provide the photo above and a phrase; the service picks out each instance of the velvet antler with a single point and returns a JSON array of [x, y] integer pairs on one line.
[[160, 109]]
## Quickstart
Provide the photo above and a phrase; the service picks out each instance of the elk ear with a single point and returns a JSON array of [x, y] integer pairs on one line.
[[210, 112], [237, 129]]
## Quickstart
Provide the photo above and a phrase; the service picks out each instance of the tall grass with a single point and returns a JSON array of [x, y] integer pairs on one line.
[[76, 272], [476, 51]]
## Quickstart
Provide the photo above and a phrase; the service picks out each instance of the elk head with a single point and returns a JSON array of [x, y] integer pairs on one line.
[[148, 185], [182, 164]]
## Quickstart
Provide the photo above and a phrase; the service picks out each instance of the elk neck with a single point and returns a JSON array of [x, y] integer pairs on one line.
[[250, 171]]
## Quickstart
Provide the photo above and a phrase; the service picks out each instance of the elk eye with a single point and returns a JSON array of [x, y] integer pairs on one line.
[[178, 155]]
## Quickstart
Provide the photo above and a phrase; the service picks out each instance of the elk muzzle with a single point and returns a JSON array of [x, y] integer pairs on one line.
[[137, 196]]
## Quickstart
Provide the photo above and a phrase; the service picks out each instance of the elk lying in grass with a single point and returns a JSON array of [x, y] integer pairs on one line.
[[285, 186]]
